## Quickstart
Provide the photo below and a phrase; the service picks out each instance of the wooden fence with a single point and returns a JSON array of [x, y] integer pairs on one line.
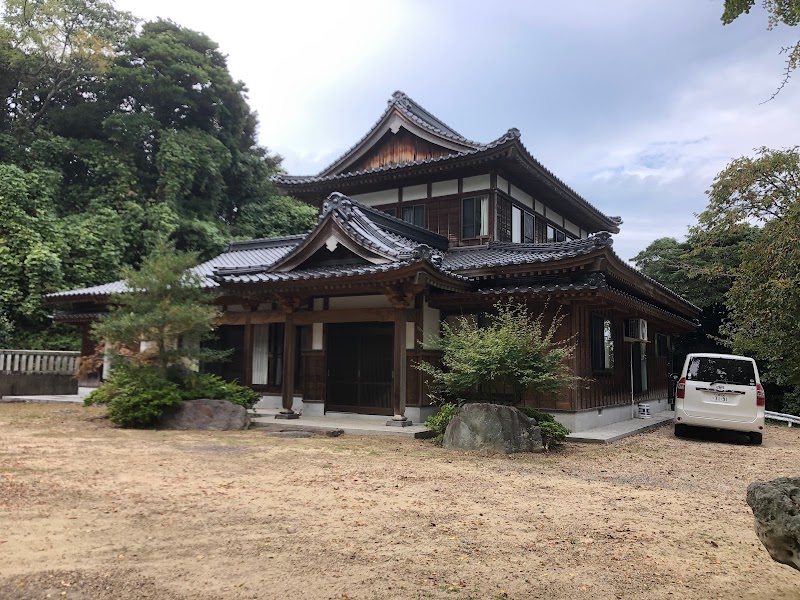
[[39, 361]]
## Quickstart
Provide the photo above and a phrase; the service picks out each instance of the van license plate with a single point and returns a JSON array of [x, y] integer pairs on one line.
[[719, 398]]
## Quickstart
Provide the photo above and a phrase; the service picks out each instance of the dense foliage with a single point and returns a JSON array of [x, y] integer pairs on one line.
[[743, 260], [764, 299], [513, 353], [701, 270], [112, 137]]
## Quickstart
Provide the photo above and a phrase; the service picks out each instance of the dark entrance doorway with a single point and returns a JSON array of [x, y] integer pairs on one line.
[[360, 368]]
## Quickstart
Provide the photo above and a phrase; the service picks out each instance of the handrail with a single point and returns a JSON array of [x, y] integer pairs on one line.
[[39, 361], [776, 416]]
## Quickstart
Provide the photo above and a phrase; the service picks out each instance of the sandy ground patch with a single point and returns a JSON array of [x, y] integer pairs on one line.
[[89, 511]]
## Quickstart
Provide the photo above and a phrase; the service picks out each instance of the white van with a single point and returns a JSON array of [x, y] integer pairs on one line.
[[720, 391]]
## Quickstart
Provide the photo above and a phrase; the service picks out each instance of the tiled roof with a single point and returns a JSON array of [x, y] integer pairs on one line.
[[261, 276], [586, 284], [511, 134], [238, 254], [401, 103], [497, 254]]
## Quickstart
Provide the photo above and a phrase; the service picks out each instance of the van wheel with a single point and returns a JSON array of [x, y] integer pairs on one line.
[[680, 429], [755, 438]]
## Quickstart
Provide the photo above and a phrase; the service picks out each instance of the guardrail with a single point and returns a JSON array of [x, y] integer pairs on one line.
[[39, 361], [775, 416]]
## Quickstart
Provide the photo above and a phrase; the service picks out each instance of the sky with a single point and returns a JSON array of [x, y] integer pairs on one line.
[[635, 104]]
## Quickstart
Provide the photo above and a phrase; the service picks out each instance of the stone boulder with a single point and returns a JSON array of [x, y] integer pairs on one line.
[[493, 428], [207, 415], [776, 508]]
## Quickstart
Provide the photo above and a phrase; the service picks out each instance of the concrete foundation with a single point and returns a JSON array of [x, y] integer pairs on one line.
[[598, 417]]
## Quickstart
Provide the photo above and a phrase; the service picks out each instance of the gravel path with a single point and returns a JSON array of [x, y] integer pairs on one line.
[[92, 512]]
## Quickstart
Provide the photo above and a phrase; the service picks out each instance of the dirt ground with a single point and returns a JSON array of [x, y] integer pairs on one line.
[[92, 512]]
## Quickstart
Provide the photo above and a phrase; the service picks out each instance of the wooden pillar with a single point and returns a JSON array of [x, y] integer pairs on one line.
[[289, 339], [399, 371], [87, 343], [247, 371]]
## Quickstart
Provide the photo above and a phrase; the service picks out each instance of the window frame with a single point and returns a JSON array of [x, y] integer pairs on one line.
[[556, 234], [476, 215], [528, 217], [416, 209], [602, 344]]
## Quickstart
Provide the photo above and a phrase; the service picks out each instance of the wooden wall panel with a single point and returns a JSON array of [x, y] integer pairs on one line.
[[503, 220], [417, 390], [397, 148], [314, 375]]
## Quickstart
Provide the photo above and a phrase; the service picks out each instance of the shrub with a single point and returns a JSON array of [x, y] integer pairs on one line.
[[137, 396], [514, 353], [537, 414], [205, 385], [438, 423], [553, 432]]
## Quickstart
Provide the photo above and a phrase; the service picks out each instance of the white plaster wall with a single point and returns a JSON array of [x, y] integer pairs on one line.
[[445, 188], [316, 336], [375, 301], [554, 216], [431, 320], [538, 207], [410, 335], [571, 227], [502, 184], [375, 198], [415, 192], [521, 196], [516, 224], [476, 183], [318, 303]]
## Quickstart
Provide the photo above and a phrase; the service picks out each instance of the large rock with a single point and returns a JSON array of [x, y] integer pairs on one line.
[[493, 428], [206, 414], [776, 508]]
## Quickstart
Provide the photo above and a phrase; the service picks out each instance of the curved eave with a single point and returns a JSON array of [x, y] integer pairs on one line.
[[623, 272], [580, 207], [507, 154], [421, 273]]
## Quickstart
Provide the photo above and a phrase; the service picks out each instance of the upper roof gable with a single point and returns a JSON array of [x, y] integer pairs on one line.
[[403, 112]]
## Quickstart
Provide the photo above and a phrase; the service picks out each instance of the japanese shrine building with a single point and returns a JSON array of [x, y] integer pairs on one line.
[[418, 225]]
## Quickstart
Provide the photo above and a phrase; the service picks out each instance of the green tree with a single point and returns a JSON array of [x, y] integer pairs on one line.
[[513, 351], [763, 300], [165, 307], [112, 139], [54, 49], [786, 12]]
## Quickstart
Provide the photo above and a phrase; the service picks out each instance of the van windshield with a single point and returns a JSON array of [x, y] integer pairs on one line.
[[729, 370]]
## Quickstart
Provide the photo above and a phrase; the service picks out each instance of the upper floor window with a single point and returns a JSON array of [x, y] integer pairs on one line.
[[527, 228], [390, 211], [555, 235], [475, 217], [414, 215]]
